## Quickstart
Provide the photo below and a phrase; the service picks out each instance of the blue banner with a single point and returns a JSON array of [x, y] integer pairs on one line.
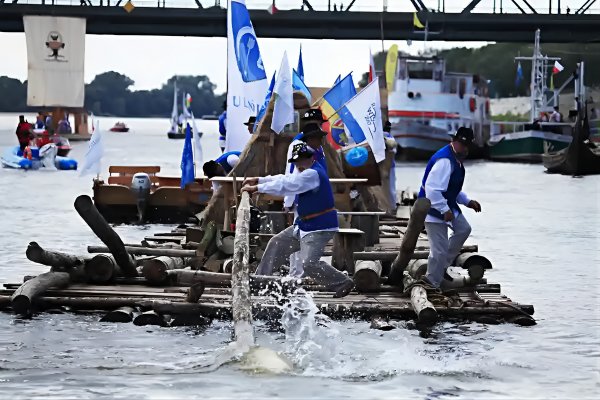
[[187, 159]]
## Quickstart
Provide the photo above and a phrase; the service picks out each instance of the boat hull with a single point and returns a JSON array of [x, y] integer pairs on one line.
[[119, 129], [527, 146], [12, 159], [178, 135]]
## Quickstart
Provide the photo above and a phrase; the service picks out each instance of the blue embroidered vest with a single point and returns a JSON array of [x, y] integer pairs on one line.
[[316, 201]]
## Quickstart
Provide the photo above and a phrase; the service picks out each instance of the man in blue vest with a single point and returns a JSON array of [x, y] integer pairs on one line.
[[442, 185], [223, 127], [221, 166], [315, 224]]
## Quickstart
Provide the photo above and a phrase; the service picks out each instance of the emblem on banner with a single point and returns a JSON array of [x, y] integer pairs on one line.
[[247, 52], [55, 43], [370, 118]]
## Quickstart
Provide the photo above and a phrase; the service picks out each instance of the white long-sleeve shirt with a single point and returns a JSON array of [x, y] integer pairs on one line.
[[292, 185], [288, 200], [436, 184]]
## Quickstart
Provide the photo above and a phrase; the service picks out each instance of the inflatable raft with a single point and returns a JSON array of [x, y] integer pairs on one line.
[[44, 157]]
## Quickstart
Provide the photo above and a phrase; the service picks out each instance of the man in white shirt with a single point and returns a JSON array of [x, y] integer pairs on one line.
[[315, 225], [556, 116], [442, 185]]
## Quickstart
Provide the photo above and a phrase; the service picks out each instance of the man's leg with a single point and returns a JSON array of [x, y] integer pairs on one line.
[[278, 251], [296, 269], [311, 250], [460, 232], [437, 234]]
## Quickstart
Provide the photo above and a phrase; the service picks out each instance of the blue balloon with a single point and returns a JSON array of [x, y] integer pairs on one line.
[[357, 157]]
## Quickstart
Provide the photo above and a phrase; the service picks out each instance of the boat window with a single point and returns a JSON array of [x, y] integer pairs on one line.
[[402, 69], [452, 85], [462, 87], [420, 70]]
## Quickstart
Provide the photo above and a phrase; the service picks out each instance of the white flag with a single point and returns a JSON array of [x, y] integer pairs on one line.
[[93, 156], [363, 112], [283, 111], [197, 145], [246, 78], [55, 59]]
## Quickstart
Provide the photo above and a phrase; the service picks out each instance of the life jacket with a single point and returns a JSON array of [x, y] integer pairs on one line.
[[27, 153], [455, 184], [316, 208]]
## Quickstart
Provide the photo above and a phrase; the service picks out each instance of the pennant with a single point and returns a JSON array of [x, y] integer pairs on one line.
[[335, 97], [95, 152], [246, 78], [519, 77], [283, 110], [263, 108], [187, 159], [362, 116], [391, 63], [198, 154], [557, 67], [417, 22], [372, 73], [298, 84], [300, 68]]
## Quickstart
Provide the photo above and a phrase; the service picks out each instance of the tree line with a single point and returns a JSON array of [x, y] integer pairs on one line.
[[110, 94]]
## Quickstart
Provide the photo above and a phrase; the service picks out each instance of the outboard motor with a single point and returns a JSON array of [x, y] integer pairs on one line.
[[48, 156], [140, 185]]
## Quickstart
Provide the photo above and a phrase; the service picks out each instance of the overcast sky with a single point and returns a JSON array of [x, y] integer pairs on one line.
[[150, 61]]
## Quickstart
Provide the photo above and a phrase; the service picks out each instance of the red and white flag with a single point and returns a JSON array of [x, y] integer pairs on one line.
[[272, 9], [372, 73], [557, 67]]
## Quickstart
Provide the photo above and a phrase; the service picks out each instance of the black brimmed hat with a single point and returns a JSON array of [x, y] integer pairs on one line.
[[301, 151], [251, 121], [387, 126], [464, 135], [312, 129], [312, 114]]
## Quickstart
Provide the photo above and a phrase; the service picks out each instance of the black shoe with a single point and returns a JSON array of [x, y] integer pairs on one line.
[[448, 277], [344, 289]]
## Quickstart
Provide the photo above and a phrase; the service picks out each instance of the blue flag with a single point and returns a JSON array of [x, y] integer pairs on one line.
[[263, 108], [298, 84], [519, 77], [300, 65], [335, 97], [187, 159], [339, 78]]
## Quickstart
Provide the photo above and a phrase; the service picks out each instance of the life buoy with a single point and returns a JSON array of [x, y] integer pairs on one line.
[[27, 153], [472, 104]]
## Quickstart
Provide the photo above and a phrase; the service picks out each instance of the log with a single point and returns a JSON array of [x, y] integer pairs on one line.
[[381, 324], [23, 298], [195, 292], [210, 232], [122, 314], [366, 275], [146, 251], [90, 214], [426, 313], [228, 265], [474, 263], [241, 303], [55, 259], [155, 269], [101, 268], [409, 241], [417, 268], [189, 320], [151, 318], [186, 277]]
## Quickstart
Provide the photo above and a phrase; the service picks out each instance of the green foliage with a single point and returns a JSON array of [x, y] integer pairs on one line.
[[511, 117], [110, 94]]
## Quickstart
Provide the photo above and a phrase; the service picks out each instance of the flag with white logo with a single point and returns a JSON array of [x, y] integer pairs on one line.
[[283, 109]]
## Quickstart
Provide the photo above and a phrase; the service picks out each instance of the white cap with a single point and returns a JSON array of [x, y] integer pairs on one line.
[[232, 160]]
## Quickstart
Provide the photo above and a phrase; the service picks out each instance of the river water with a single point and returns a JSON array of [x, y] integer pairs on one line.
[[541, 232]]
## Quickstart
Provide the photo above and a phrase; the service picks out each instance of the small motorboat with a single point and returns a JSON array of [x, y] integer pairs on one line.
[[44, 157], [119, 127], [62, 144]]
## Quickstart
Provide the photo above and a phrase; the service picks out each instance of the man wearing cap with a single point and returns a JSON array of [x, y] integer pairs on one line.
[[314, 226], [442, 185], [221, 166], [250, 124], [223, 127]]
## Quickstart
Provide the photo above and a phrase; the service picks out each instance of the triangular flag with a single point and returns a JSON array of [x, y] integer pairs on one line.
[[417, 22], [557, 67], [372, 73], [283, 109], [128, 6], [272, 9]]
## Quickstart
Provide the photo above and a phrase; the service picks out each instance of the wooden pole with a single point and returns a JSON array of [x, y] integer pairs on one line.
[[90, 214], [425, 311], [409, 241], [241, 303], [147, 251], [366, 275], [101, 268], [23, 298], [155, 269], [55, 259]]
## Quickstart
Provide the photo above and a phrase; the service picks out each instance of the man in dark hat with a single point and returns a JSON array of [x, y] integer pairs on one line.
[[24, 132], [221, 166], [223, 127], [314, 226], [442, 185], [250, 124]]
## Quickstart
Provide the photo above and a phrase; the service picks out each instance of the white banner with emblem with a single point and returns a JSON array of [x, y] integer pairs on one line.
[[55, 59]]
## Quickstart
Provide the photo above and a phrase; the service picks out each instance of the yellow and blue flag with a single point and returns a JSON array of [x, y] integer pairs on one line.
[[335, 97]]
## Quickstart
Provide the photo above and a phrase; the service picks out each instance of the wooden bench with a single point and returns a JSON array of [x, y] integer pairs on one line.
[[122, 175]]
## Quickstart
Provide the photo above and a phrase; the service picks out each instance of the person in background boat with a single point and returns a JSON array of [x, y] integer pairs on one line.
[[250, 124], [556, 116], [221, 166], [442, 185], [390, 145], [314, 227], [24, 132], [39, 122], [223, 127], [48, 123], [44, 140], [64, 126]]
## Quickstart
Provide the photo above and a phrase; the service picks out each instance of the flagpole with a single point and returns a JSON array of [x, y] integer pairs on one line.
[[352, 98]]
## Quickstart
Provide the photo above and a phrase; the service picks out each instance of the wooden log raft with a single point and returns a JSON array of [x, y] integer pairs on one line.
[[155, 269], [101, 268], [426, 313], [146, 251], [90, 214], [54, 259], [366, 275], [409, 241], [121, 314], [23, 298]]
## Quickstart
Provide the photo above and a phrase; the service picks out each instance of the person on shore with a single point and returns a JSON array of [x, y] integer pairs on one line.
[[314, 226], [442, 185], [24, 132], [221, 166], [223, 127]]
